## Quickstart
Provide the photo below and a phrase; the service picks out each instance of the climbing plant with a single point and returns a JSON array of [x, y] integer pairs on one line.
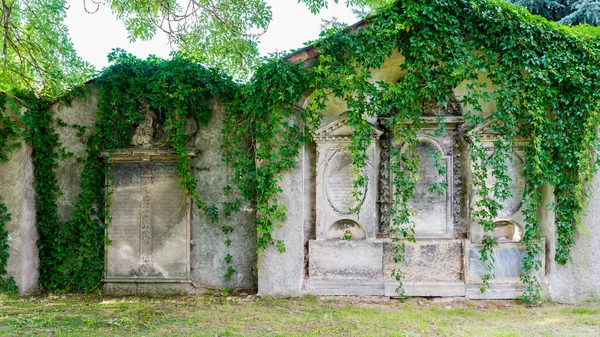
[[72, 252], [542, 78]]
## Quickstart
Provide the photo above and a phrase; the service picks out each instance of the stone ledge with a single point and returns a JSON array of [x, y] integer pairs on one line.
[[345, 287], [499, 291], [146, 287], [426, 289]]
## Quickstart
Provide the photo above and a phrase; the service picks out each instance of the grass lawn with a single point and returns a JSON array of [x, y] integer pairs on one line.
[[240, 315]]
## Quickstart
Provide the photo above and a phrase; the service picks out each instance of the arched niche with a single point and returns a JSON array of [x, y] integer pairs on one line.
[[507, 231], [514, 165], [339, 228], [433, 218], [339, 182]]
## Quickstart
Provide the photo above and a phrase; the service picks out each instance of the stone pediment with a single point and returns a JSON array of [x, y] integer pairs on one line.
[[486, 133], [338, 130]]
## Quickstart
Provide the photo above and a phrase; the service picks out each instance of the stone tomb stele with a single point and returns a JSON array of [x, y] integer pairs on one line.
[[345, 258], [149, 235], [433, 265], [508, 228]]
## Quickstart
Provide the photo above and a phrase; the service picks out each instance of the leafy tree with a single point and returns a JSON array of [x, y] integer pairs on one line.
[[222, 33], [568, 12], [36, 52]]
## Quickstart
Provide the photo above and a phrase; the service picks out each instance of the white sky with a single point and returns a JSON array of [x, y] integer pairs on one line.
[[94, 35]]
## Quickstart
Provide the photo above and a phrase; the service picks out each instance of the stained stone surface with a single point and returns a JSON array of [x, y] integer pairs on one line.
[[124, 230], [427, 260], [18, 194], [508, 263], [335, 192], [342, 259], [339, 178], [431, 206], [516, 186], [170, 247], [149, 229]]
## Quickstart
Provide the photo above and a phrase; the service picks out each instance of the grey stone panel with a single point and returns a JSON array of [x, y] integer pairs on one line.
[[347, 287], [208, 252], [282, 274], [341, 259], [149, 233], [427, 261]]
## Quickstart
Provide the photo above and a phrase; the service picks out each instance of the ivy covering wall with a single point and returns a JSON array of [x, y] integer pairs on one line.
[[544, 83]]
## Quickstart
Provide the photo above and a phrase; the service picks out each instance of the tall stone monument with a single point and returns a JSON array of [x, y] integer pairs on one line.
[[346, 256], [149, 235]]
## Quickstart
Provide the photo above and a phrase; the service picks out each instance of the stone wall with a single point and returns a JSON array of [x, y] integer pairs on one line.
[[579, 280], [208, 249], [439, 265], [18, 193]]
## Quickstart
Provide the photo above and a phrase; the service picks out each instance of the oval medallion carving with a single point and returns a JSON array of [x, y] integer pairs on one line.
[[339, 178], [516, 186]]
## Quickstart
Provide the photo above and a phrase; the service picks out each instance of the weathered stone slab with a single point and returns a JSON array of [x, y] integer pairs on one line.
[[336, 197], [345, 287], [427, 261], [149, 232], [508, 265], [341, 259], [18, 194], [123, 254], [170, 243], [432, 207], [498, 291], [282, 274], [146, 288]]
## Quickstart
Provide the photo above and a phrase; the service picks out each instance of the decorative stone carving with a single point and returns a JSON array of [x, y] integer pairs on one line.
[[512, 208], [385, 198], [335, 177], [432, 108], [144, 133], [346, 256], [150, 227], [437, 214], [152, 133]]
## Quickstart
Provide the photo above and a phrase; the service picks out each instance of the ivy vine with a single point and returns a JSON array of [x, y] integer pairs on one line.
[[542, 77]]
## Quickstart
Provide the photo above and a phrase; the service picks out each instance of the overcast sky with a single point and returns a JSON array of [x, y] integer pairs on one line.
[[94, 35]]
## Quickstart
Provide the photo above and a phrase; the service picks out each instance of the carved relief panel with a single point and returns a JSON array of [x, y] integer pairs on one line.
[[335, 190], [509, 223], [437, 210], [149, 233]]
